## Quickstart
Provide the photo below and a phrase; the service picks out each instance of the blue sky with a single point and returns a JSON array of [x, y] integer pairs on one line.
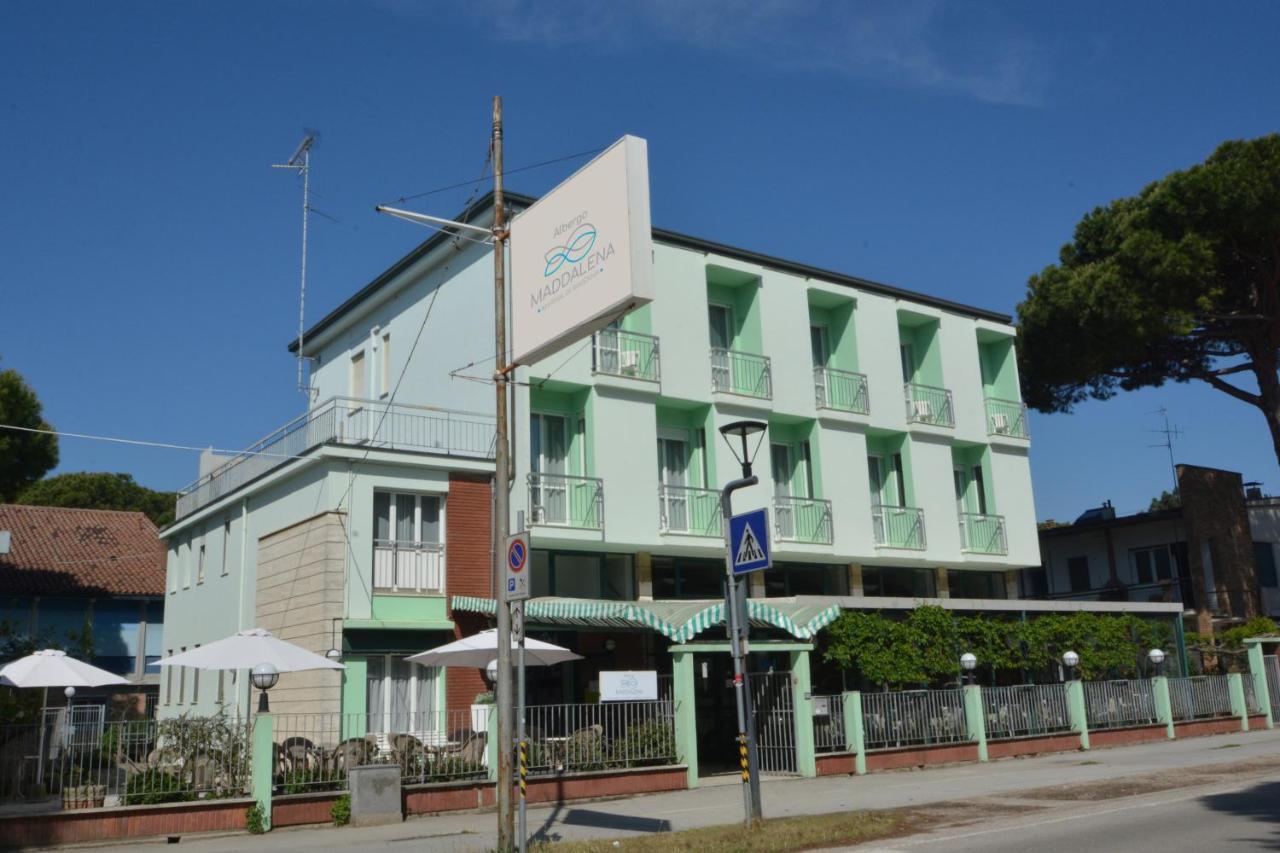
[[148, 255]]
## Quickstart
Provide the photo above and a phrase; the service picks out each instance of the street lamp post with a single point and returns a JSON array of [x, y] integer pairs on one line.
[[1070, 660], [735, 603], [968, 663]]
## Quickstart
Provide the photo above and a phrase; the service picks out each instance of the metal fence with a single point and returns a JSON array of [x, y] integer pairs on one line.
[[841, 389], [1251, 702], [1007, 417], [687, 509], [581, 737], [802, 519], [742, 373], [929, 405], [1112, 704], [828, 724], [629, 354], [566, 501], [1025, 710], [1200, 697], [913, 718], [898, 526], [982, 534]]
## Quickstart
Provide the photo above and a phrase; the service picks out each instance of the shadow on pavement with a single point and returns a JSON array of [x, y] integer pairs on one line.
[[604, 820], [1260, 802]]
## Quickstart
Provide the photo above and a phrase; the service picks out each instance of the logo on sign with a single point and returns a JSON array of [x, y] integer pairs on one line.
[[574, 250], [572, 264]]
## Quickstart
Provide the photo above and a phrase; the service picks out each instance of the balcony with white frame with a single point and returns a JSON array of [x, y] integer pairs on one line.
[[408, 567], [927, 404], [898, 527], [689, 511], [1007, 418], [565, 500], [802, 520], [742, 373], [981, 533], [629, 355], [841, 390]]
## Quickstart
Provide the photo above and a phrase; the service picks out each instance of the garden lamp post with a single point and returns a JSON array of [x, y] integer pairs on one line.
[[1070, 660], [1157, 656], [264, 676], [968, 663]]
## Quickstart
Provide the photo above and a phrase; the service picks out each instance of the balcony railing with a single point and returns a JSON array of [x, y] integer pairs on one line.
[[689, 510], [628, 354], [898, 527], [741, 373], [1007, 417], [929, 405], [561, 500], [982, 534], [345, 420], [408, 567], [841, 389], [802, 520]]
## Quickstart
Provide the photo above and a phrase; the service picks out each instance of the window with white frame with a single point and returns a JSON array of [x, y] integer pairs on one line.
[[1152, 564], [226, 544], [200, 565], [357, 375], [408, 543], [404, 697]]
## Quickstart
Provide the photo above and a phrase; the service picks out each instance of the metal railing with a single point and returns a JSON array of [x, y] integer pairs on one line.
[[1251, 703], [1025, 710], [913, 718], [982, 534], [1007, 417], [741, 373], [686, 509], [828, 724], [562, 500], [928, 405], [314, 752], [408, 567], [1125, 702], [345, 420], [1200, 697], [898, 527], [573, 738], [841, 389], [630, 354], [802, 519]]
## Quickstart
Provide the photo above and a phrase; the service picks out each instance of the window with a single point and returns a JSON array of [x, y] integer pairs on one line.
[[1152, 564], [818, 345], [788, 579], [907, 353], [1264, 557], [200, 565], [222, 686], [899, 582], [186, 564], [195, 682], [980, 490], [226, 544], [182, 682], [720, 318], [679, 577], [888, 480], [403, 697], [969, 584], [168, 682], [1034, 583], [610, 577], [408, 555], [357, 375], [385, 369], [1078, 574]]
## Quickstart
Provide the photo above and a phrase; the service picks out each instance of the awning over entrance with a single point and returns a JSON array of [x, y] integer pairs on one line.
[[679, 621]]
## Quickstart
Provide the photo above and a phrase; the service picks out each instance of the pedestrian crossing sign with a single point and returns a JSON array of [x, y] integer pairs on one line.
[[749, 542]]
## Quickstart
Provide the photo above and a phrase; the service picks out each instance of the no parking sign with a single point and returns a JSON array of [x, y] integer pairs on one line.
[[517, 584]]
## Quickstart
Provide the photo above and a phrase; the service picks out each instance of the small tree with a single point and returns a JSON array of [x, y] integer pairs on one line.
[[100, 490], [24, 456]]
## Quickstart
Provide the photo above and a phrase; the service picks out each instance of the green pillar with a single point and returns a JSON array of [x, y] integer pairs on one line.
[[262, 757], [491, 743], [1077, 712], [1235, 687], [975, 718], [686, 719], [1164, 708], [1181, 635], [855, 739], [1258, 672], [802, 702]]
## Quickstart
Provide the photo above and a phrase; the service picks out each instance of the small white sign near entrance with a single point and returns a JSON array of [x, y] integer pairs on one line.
[[582, 255], [628, 686]]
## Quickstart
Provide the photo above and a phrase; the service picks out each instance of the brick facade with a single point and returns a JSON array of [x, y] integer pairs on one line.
[[469, 531]]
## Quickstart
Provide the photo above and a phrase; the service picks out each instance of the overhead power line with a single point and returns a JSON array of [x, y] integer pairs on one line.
[[503, 174], [144, 443]]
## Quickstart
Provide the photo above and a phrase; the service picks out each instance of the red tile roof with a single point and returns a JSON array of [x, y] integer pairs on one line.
[[57, 551]]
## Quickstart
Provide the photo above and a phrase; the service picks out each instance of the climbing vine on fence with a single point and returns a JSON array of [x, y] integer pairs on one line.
[[924, 647]]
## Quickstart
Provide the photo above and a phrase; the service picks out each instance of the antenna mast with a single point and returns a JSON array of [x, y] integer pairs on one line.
[[300, 162], [1169, 433]]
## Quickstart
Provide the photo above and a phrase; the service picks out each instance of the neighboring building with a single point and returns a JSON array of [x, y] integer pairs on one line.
[[87, 580], [1215, 554]]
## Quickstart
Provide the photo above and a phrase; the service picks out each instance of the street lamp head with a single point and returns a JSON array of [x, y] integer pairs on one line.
[[265, 676], [741, 431], [334, 654], [1156, 656], [968, 662], [491, 671], [69, 692], [1070, 659]]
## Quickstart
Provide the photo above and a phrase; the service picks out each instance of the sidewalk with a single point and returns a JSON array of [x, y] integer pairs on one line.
[[720, 800]]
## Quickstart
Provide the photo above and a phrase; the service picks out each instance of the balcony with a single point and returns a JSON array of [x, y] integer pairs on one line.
[[898, 527], [627, 354], [741, 373], [806, 520], [929, 405], [346, 421], [982, 534], [407, 567], [842, 390], [1007, 417], [690, 511], [561, 500]]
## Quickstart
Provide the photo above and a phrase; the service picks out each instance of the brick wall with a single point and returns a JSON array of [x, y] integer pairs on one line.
[[97, 825], [468, 532], [1217, 522]]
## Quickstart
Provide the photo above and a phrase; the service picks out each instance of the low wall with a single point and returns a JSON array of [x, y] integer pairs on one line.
[[78, 826], [836, 763], [1127, 736], [921, 756], [1221, 726], [600, 784], [1065, 742], [301, 809]]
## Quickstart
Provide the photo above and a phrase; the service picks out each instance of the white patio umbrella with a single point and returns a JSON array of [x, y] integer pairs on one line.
[[53, 668], [478, 649]]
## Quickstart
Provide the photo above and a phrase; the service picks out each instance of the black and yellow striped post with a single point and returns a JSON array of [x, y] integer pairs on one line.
[[742, 756], [524, 768]]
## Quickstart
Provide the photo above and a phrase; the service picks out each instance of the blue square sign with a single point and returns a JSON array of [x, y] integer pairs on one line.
[[749, 542]]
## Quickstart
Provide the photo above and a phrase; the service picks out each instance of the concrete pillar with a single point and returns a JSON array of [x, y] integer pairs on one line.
[[975, 718], [756, 585], [491, 745], [855, 579], [1235, 687], [1077, 711], [1258, 672], [802, 702], [644, 576], [686, 719], [854, 736], [1164, 707], [263, 758], [942, 582], [1011, 584]]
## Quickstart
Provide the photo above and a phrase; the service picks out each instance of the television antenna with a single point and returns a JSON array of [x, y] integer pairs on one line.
[[1169, 432], [300, 162]]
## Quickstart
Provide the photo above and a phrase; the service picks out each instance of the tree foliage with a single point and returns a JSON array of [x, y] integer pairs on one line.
[[1179, 282], [100, 490], [1167, 500], [24, 456]]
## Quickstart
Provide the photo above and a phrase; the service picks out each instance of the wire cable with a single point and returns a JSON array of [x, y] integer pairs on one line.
[[503, 174], [143, 443]]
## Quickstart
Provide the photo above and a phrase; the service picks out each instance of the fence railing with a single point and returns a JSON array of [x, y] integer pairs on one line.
[[802, 519], [1199, 697], [1007, 417], [408, 567], [1124, 702], [1251, 702], [982, 534], [929, 405], [1024, 710], [580, 737], [687, 509], [841, 389], [345, 420], [828, 723], [898, 527], [913, 718], [630, 354], [742, 373], [566, 501]]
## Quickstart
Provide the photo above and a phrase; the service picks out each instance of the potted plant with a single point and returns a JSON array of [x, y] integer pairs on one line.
[[480, 710]]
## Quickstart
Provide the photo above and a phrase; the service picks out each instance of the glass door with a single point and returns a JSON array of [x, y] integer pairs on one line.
[[783, 473], [548, 459], [818, 348], [607, 349], [673, 464], [908, 355], [721, 325]]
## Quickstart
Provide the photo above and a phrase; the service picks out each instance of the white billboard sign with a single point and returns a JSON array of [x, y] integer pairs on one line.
[[582, 255], [628, 686]]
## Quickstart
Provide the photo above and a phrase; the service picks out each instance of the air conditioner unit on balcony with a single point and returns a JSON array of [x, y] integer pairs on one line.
[[1000, 423], [921, 410], [630, 362]]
